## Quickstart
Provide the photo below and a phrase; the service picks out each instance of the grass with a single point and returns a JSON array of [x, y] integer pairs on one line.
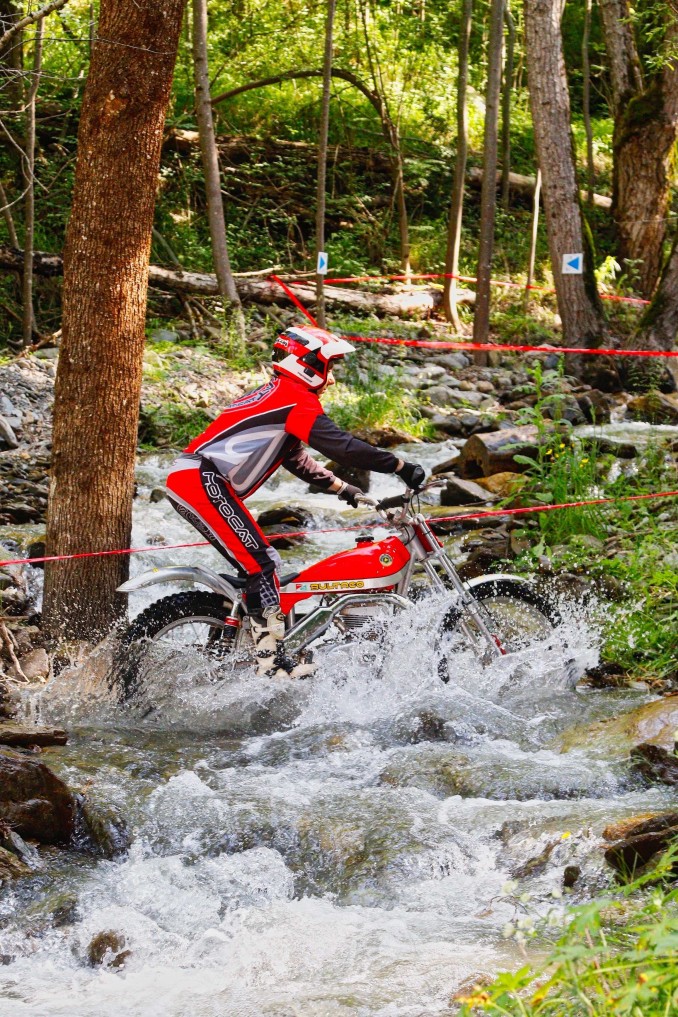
[[615, 959]]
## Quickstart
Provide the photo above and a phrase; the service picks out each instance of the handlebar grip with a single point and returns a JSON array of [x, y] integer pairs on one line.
[[397, 501]]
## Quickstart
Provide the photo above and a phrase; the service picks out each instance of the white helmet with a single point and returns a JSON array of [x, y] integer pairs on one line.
[[307, 354]]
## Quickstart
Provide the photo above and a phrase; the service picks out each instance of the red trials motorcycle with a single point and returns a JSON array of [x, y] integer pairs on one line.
[[494, 614]]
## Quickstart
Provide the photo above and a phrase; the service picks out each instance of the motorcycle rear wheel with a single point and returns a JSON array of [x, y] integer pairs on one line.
[[193, 619], [516, 614]]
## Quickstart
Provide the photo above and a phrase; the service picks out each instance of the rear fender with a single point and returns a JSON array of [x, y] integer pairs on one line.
[[494, 577], [194, 574]]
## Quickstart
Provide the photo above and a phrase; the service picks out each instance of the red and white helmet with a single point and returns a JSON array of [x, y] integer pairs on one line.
[[307, 354]]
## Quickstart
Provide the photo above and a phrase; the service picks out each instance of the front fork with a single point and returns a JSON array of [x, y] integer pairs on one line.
[[468, 602]]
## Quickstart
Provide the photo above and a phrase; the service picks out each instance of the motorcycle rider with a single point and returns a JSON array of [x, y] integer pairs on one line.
[[242, 448]]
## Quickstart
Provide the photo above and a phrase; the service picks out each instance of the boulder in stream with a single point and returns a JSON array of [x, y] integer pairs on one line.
[[638, 840], [655, 723], [11, 867], [34, 801], [655, 408], [25, 736], [656, 764], [494, 452]]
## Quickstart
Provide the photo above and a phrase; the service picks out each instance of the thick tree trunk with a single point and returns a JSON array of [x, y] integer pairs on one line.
[[457, 203], [579, 305], [645, 131], [488, 196], [322, 160], [210, 163], [657, 330], [98, 383], [586, 103]]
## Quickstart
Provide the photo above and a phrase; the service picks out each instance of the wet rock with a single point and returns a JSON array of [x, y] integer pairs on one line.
[[34, 666], [656, 763], [595, 406], [157, 494], [503, 485], [655, 722], [447, 424], [464, 492], [9, 700], [642, 840], [105, 830], [385, 437], [571, 874], [606, 676], [616, 447], [24, 736], [34, 801], [655, 408], [536, 865], [8, 438], [485, 454], [292, 515], [445, 467], [107, 949], [11, 841], [11, 867]]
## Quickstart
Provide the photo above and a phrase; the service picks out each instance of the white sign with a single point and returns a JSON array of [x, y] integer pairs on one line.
[[322, 263], [573, 264]]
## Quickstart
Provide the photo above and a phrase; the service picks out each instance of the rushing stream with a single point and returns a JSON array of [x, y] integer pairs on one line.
[[338, 846]]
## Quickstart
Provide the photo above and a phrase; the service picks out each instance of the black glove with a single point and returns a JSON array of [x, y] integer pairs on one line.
[[412, 474], [350, 494]]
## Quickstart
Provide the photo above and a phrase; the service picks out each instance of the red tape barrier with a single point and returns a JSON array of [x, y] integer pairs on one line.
[[482, 347], [489, 347], [486, 514]]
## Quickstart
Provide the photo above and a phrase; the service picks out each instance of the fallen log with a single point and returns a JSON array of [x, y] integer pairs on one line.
[[259, 291], [524, 186]]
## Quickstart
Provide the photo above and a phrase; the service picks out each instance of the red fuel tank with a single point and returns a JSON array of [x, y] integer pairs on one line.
[[373, 566]]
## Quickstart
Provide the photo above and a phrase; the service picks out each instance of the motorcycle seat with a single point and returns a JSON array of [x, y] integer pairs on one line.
[[239, 582]]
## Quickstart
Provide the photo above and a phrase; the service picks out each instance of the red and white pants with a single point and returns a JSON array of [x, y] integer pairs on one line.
[[200, 495]]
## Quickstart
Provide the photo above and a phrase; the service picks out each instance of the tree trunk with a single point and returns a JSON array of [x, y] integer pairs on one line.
[[210, 163], [488, 197], [29, 200], [506, 106], [457, 203], [645, 131], [533, 237], [579, 305], [657, 330], [96, 407], [11, 61], [586, 104], [322, 159]]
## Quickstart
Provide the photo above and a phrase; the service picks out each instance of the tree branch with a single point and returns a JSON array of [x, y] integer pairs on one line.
[[30, 19]]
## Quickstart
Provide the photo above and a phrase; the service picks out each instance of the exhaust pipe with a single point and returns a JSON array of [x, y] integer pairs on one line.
[[318, 621]]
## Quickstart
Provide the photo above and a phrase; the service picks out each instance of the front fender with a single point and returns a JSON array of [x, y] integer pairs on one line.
[[182, 574], [494, 577]]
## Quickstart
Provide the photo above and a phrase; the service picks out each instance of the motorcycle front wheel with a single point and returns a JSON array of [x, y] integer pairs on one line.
[[195, 619], [517, 615]]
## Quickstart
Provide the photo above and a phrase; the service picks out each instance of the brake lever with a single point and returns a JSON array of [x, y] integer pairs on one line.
[[364, 499]]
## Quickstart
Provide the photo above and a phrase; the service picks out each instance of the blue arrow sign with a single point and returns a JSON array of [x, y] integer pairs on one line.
[[573, 264], [322, 263]]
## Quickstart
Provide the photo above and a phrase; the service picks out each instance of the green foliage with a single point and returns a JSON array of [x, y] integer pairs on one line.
[[170, 426], [366, 399], [616, 959]]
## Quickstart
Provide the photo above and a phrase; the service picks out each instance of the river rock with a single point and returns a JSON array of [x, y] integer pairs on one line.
[[106, 834], [11, 867], [24, 736], [655, 408], [385, 437], [107, 948], [464, 492], [453, 361], [503, 485], [595, 406], [485, 454], [8, 438], [34, 666], [445, 467], [641, 839], [293, 515], [656, 763], [654, 723], [34, 801]]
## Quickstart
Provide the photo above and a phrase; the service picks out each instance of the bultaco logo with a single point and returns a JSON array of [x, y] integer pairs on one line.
[[352, 584]]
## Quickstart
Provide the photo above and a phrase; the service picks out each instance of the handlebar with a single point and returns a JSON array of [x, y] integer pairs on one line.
[[397, 501]]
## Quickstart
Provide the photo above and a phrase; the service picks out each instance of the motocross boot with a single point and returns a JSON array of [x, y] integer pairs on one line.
[[268, 633]]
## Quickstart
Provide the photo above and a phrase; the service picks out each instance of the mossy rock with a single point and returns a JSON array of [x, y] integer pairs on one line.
[[655, 723]]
